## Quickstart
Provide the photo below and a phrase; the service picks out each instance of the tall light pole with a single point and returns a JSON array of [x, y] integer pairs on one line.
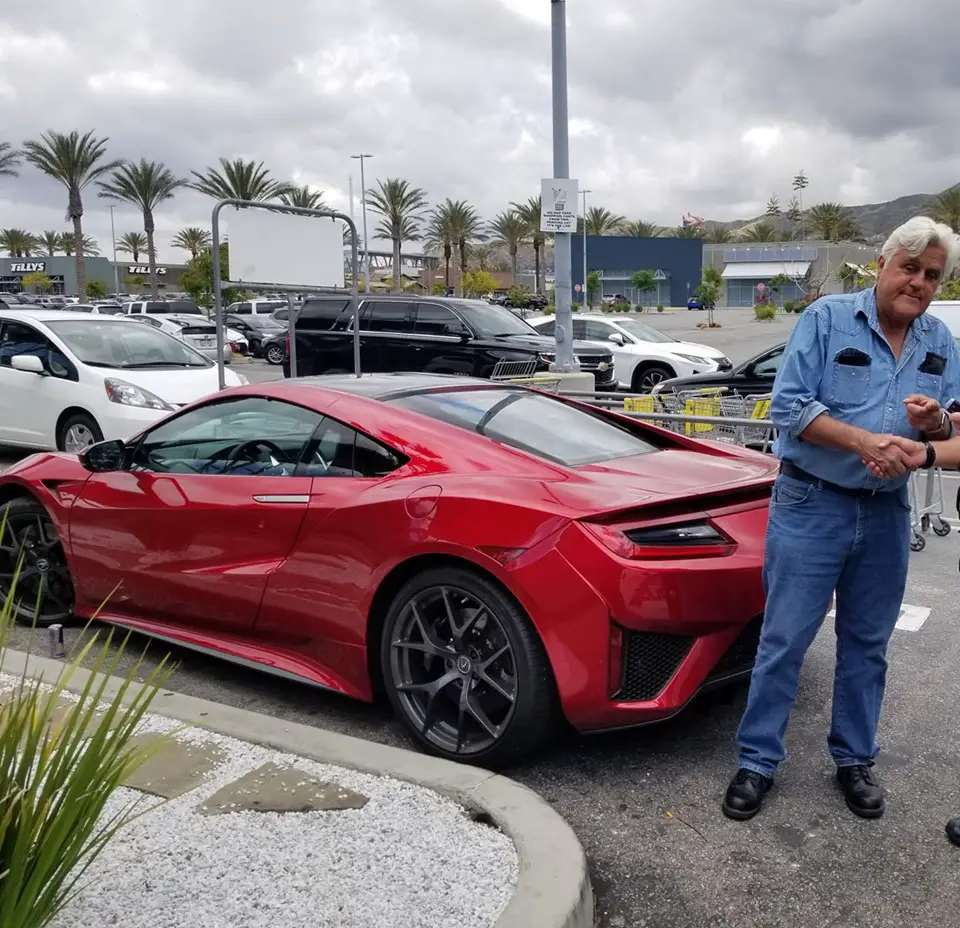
[[562, 270], [584, 193], [363, 208], [113, 238]]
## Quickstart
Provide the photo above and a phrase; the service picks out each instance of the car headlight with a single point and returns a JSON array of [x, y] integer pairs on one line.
[[547, 357], [694, 359], [127, 394]]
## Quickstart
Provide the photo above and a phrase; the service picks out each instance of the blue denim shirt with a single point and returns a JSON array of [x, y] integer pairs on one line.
[[838, 362]]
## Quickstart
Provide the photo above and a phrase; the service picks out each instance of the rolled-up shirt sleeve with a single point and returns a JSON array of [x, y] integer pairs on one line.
[[794, 404], [951, 380]]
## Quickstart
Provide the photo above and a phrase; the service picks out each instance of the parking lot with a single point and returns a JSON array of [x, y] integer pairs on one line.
[[645, 803]]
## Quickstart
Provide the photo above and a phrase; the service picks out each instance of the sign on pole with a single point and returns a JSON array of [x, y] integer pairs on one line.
[[578, 288], [559, 205]]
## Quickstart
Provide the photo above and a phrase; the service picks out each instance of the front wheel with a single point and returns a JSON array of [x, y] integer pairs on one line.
[[77, 433], [275, 354], [465, 670], [645, 379], [34, 578]]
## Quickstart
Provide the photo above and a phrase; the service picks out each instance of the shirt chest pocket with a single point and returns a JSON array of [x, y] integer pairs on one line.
[[850, 377], [930, 374]]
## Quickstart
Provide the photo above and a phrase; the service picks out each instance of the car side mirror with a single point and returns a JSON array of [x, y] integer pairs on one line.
[[616, 338], [28, 363], [104, 457]]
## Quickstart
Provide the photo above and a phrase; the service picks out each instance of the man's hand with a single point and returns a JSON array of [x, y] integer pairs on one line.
[[883, 454], [923, 413], [911, 455]]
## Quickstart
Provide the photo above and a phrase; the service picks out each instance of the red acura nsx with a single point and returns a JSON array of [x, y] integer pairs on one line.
[[494, 559]]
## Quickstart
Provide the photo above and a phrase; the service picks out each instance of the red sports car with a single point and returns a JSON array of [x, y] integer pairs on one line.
[[493, 558]]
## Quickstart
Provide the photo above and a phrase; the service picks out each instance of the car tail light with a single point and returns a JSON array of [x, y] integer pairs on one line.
[[669, 540], [615, 672]]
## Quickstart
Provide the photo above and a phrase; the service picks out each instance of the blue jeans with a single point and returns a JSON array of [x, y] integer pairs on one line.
[[818, 542]]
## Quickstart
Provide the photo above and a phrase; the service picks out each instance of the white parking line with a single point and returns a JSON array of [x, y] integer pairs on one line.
[[911, 617]]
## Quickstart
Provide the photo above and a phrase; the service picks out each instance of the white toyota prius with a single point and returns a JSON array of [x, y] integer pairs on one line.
[[68, 380]]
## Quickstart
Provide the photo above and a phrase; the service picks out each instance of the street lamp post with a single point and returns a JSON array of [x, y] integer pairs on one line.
[[584, 193], [113, 238], [566, 360], [363, 208]]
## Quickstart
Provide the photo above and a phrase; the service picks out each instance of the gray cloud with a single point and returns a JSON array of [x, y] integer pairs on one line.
[[676, 105]]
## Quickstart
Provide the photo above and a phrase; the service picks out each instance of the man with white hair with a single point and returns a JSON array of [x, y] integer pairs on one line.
[[858, 369]]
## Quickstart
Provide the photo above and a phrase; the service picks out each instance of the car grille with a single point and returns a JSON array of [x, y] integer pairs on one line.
[[741, 655], [592, 365], [650, 660]]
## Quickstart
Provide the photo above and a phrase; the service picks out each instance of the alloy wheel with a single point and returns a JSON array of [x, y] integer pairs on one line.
[[454, 670], [33, 567], [275, 355], [651, 378]]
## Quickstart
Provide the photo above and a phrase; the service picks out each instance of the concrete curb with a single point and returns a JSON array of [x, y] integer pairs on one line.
[[553, 889]]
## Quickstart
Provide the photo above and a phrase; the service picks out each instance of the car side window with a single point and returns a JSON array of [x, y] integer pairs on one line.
[[251, 436], [548, 328], [579, 328], [242, 309], [19, 339], [768, 366], [337, 450], [384, 316], [597, 331], [432, 319]]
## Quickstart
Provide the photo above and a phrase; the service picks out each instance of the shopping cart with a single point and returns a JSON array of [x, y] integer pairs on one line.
[[524, 373], [928, 514]]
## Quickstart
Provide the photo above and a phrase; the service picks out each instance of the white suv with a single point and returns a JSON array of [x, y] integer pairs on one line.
[[642, 356]]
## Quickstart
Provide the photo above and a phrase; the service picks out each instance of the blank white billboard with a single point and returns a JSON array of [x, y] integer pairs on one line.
[[282, 248]]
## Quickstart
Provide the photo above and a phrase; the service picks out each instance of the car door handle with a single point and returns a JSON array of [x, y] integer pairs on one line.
[[282, 498]]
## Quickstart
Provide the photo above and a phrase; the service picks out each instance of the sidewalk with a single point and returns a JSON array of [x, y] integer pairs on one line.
[[355, 834]]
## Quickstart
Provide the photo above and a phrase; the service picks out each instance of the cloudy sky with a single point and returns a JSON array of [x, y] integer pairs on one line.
[[675, 105]]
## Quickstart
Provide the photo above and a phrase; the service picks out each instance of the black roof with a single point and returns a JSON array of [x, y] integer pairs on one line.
[[389, 385]]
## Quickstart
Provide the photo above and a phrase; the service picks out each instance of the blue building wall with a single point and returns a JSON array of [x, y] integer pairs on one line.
[[618, 257]]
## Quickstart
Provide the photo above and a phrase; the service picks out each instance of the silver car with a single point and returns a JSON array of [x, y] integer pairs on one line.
[[197, 331]]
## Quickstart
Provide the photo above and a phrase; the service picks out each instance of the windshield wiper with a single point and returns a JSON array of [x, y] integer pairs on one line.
[[143, 364]]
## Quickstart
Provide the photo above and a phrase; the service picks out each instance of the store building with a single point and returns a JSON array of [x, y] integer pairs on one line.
[[676, 264], [812, 268], [62, 272]]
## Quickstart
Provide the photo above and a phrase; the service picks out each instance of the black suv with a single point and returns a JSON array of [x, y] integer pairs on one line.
[[431, 335]]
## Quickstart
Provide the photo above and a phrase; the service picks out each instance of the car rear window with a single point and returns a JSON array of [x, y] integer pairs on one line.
[[320, 315], [531, 422], [165, 307]]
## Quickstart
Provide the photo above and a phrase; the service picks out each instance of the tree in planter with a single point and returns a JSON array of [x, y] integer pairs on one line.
[[643, 282], [711, 285], [778, 282], [97, 289], [38, 282], [477, 283], [593, 286]]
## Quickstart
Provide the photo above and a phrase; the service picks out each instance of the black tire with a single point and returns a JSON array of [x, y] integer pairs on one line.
[[275, 355], [79, 423], [522, 724], [647, 376], [41, 593]]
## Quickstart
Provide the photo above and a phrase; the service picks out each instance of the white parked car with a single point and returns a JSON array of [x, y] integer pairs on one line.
[[642, 355], [199, 333], [68, 380]]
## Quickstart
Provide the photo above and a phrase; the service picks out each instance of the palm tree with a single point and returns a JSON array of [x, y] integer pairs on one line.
[[441, 235], [510, 231], [601, 221], [642, 229], [464, 225], [304, 197], [759, 232], [90, 246], [18, 243], [145, 185], [193, 239], [132, 243], [719, 236], [401, 207], [50, 242], [238, 180], [945, 207], [688, 232], [75, 161], [531, 213], [826, 221], [9, 160]]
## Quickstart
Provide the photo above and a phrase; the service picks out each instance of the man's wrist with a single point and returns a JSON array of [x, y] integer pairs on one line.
[[943, 431]]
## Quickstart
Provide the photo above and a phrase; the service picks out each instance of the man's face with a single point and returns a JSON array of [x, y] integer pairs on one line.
[[906, 285]]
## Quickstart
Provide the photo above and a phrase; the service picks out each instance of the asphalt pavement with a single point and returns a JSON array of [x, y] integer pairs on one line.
[[645, 803]]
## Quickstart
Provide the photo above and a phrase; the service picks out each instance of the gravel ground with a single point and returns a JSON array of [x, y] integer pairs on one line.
[[408, 859]]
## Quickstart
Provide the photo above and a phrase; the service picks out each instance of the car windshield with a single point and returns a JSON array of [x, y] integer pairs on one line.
[[531, 422], [490, 320], [114, 344], [644, 332]]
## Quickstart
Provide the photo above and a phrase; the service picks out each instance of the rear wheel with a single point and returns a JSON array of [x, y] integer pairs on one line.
[[275, 354], [647, 377], [78, 432], [465, 670], [34, 577]]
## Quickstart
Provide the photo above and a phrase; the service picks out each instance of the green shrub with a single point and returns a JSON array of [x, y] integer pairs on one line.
[[765, 311], [800, 307], [788, 306], [659, 307], [56, 776]]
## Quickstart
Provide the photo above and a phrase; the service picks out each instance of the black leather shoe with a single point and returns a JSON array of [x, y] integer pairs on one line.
[[745, 794], [863, 794], [953, 830]]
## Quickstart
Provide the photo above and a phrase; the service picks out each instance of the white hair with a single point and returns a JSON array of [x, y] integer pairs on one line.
[[916, 235]]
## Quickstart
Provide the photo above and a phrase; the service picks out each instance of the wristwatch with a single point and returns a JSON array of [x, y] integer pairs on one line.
[[931, 458]]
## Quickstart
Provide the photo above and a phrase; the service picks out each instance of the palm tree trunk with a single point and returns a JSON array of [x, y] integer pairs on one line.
[[462, 246], [536, 266], [513, 266], [149, 228], [396, 266], [81, 265], [447, 255]]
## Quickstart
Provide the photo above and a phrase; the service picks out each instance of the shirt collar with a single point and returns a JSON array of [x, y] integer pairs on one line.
[[867, 307]]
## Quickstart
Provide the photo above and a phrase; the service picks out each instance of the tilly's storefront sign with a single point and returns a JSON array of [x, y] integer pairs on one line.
[[143, 269], [28, 267]]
